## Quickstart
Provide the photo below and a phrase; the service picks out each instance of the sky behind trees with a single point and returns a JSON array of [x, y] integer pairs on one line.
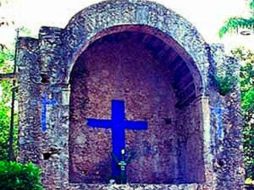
[[206, 15]]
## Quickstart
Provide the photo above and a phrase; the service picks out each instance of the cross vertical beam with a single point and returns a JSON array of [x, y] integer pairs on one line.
[[45, 102], [118, 133], [118, 124]]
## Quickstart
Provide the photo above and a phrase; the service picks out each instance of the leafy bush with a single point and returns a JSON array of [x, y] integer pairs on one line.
[[225, 84], [16, 176], [4, 129], [6, 66], [247, 100]]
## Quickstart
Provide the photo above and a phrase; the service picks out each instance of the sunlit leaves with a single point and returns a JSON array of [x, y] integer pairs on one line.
[[6, 66], [18, 176], [247, 102], [251, 5], [233, 24]]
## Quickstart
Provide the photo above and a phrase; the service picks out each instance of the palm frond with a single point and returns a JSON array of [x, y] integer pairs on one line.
[[251, 4], [234, 23]]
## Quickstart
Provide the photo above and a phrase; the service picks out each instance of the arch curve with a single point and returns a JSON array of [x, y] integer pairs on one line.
[[85, 26]]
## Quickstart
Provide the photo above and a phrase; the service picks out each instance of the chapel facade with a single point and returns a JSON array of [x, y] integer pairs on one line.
[[157, 63]]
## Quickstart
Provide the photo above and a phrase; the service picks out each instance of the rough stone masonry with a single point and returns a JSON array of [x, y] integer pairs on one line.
[[156, 62]]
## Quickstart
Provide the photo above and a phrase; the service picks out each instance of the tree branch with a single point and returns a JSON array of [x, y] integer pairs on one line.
[[7, 76]]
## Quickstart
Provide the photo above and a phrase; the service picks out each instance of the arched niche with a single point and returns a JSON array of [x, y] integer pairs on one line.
[[159, 83]]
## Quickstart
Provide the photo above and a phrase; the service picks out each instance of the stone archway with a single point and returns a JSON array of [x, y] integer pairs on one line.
[[90, 25], [148, 72]]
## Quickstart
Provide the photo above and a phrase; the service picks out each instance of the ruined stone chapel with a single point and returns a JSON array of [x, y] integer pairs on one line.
[[128, 89]]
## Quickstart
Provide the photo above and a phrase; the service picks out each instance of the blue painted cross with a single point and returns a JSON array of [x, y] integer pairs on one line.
[[118, 124], [219, 111], [45, 102]]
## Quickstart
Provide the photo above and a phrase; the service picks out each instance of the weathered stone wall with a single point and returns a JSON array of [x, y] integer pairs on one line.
[[226, 144], [48, 149], [29, 101], [191, 143]]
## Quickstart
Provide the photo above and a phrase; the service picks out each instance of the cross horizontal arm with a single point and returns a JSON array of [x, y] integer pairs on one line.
[[49, 102], [136, 125], [100, 123], [46, 101]]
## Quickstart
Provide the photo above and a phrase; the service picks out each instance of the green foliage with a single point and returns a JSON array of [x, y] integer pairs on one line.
[[247, 100], [4, 130], [25, 31], [225, 84], [246, 76], [6, 66], [6, 58], [16, 176], [226, 77], [251, 4], [234, 23]]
